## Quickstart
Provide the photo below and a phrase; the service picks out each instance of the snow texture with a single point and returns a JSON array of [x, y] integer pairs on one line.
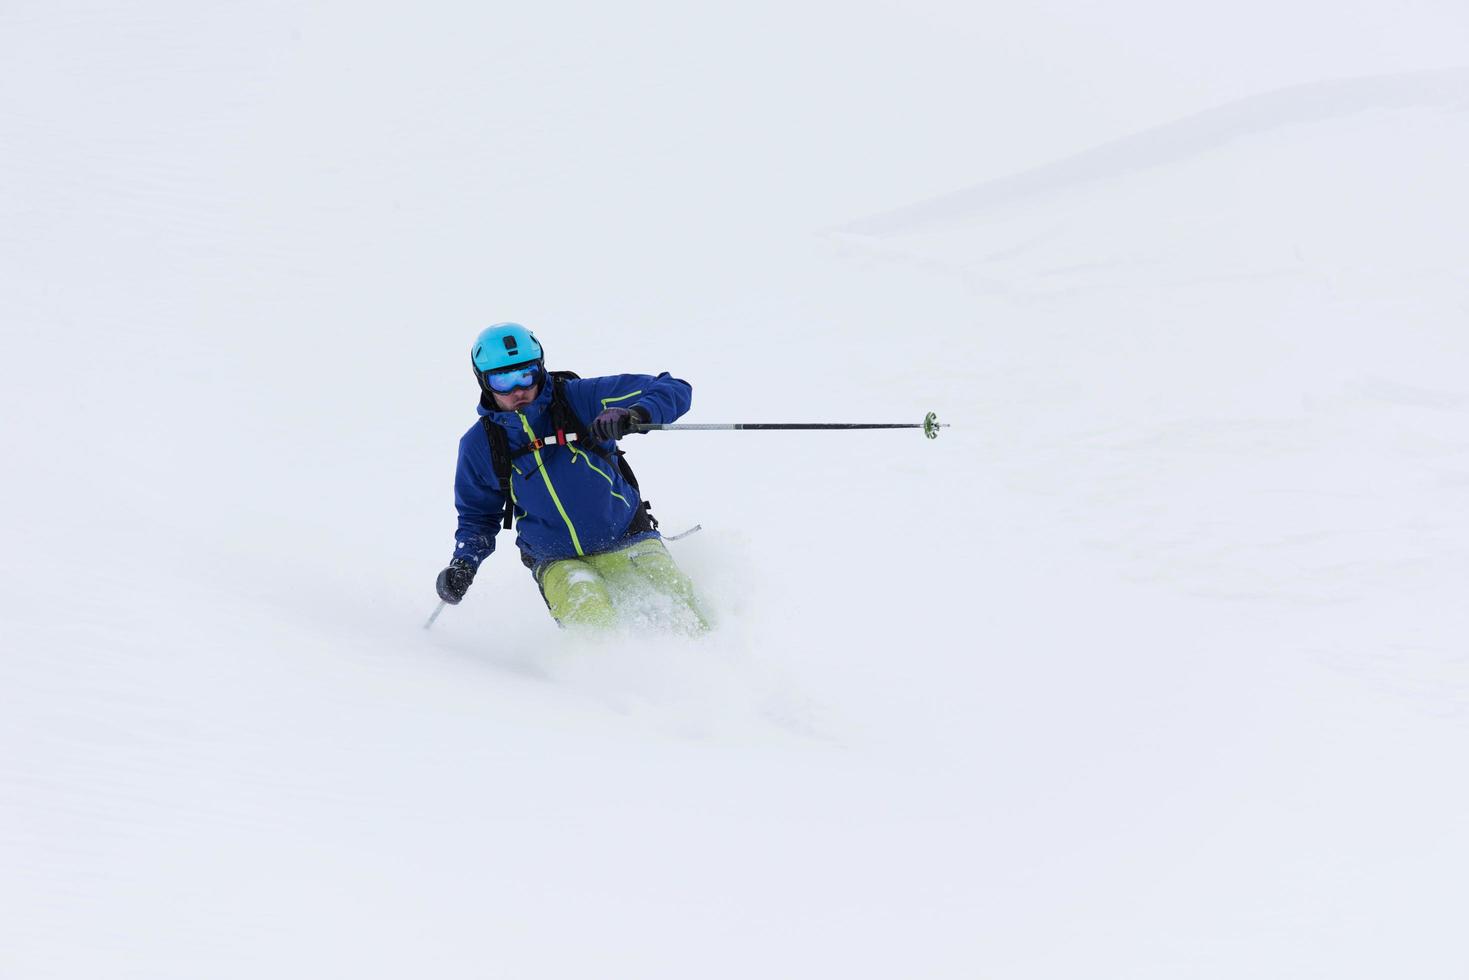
[[1155, 665]]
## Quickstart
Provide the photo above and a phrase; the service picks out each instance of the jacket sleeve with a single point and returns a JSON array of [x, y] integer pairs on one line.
[[665, 398], [478, 499]]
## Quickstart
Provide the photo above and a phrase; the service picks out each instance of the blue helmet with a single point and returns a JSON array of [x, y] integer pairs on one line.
[[503, 347]]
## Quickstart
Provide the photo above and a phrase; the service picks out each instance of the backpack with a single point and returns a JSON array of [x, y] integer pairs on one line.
[[564, 419]]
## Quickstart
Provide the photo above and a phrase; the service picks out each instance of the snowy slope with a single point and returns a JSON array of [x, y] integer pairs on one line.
[[1152, 666]]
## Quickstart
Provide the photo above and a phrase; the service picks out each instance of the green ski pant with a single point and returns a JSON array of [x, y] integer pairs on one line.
[[638, 585]]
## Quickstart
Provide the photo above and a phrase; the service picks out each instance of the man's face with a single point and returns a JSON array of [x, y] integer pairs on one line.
[[516, 400]]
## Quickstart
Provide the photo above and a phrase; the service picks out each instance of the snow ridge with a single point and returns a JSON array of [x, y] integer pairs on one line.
[[1176, 141]]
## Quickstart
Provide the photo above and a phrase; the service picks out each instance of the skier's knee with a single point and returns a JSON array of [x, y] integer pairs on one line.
[[576, 595]]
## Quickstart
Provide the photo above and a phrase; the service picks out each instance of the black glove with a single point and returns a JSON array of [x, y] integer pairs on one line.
[[617, 422], [454, 581]]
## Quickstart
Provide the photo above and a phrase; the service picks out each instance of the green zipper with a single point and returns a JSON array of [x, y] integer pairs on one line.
[[609, 401], [578, 454], [541, 465]]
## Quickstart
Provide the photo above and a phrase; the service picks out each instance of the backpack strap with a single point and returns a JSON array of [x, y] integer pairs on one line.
[[500, 460], [645, 520], [564, 417]]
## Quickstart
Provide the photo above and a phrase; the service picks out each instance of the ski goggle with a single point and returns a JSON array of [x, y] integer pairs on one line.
[[504, 382]]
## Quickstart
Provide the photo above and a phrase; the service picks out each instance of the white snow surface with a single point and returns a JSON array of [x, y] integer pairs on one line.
[[1154, 665]]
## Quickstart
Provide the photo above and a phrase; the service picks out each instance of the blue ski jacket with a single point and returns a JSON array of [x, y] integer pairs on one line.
[[568, 502]]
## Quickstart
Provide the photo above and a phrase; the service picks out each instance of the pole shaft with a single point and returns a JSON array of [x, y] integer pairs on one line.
[[785, 426]]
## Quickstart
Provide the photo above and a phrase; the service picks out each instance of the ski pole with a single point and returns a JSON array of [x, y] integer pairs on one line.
[[435, 615], [930, 426]]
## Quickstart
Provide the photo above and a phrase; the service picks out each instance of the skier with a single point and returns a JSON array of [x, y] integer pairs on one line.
[[584, 530]]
